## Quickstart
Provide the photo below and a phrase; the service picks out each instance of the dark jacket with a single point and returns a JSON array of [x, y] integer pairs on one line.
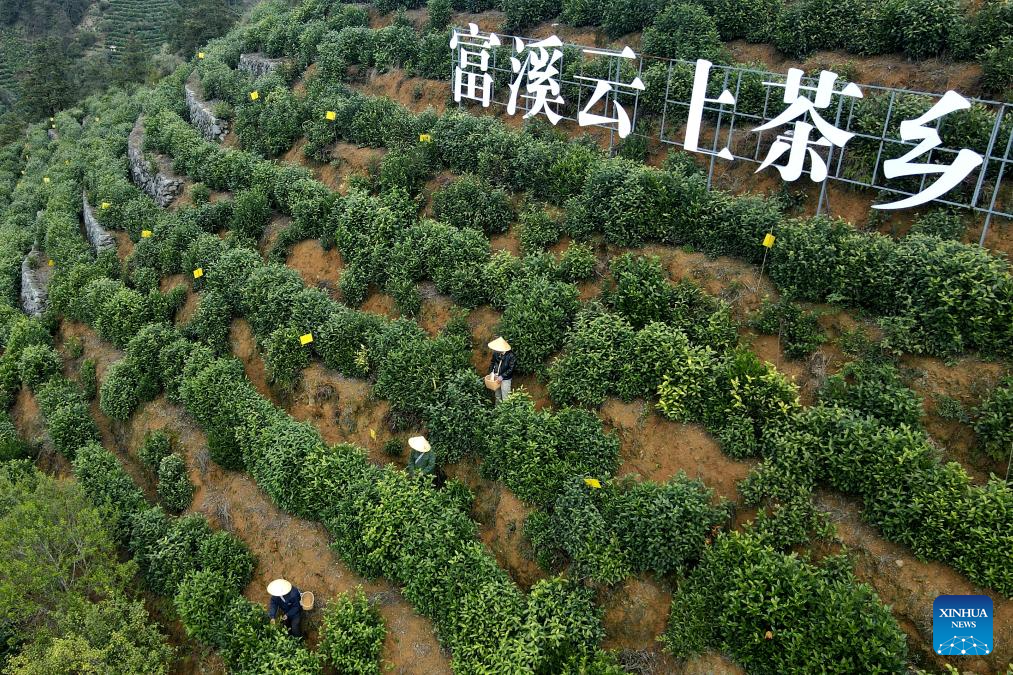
[[423, 462], [288, 604], [506, 371]]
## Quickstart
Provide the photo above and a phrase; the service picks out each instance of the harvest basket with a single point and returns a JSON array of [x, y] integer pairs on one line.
[[491, 382], [306, 600]]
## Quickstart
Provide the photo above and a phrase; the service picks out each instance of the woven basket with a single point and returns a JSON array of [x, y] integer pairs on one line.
[[306, 600], [491, 382]]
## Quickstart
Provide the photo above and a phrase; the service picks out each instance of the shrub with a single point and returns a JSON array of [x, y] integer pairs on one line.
[[939, 223], [108, 486], [997, 68], [841, 618], [521, 14], [269, 125], [535, 452], [597, 350], [156, 446], [119, 396], [11, 445], [577, 263], [38, 364], [211, 321], [798, 331], [535, 319], [638, 289], [395, 46], [175, 490], [651, 351], [874, 389], [285, 357], [924, 27], [352, 634], [537, 230], [250, 213], [470, 202], [457, 419], [752, 20], [684, 32], [414, 366], [439, 12], [177, 554], [227, 556], [994, 423]]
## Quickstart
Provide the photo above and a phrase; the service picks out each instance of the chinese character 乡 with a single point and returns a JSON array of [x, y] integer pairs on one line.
[[603, 87], [541, 72], [796, 141], [471, 74], [965, 162]]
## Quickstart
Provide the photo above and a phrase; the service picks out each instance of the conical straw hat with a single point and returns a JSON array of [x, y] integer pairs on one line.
[[279, 587], [499, 345], [419, 443]]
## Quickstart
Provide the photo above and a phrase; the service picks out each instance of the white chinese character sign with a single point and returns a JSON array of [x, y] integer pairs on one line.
[[806, 126]]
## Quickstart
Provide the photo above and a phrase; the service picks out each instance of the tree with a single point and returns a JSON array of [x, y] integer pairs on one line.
[[45, 82], [195, 22], [135, 66]]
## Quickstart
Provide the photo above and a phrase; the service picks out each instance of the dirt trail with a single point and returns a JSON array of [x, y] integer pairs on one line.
[[909, 586], [317, 267]]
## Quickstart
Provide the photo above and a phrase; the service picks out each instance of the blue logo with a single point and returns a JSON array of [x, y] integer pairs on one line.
[[962, 625]]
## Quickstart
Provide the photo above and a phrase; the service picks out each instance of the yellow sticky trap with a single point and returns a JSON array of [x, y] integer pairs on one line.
[[22, 172], [254, 95], [425, 138], [146, 234], [200, 55], [50, 262], [306, 339], [52, 119], [198, 273], [331, 115], [592, 482], [768, 240], [45, 179], [372, 434], [105, 205], [66, 162], [52, 126]]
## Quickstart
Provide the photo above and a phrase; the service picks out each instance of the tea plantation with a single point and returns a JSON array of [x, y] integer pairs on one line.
[[741, 436]]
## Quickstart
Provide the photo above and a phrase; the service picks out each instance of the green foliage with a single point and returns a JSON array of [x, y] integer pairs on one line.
[[534, 322], [438, 12], [994, 423], [798, 331], [684, 31], [758, 603], [285, 357], [925, 27], [535, 452], [175, 554], [997, 69], [596, 352], [577, 263], [67, 416], [939, 223], [211, 321], [108, 486], [457, 418], [353, 634], [638, 290], [175, 491], [521, 14], [118, 397], [471, 202], [11, 445], [157, 446], [537, 229], [270, 124], [412, 368], [38, 364], [876, 390], [227, 556], [250, 213]]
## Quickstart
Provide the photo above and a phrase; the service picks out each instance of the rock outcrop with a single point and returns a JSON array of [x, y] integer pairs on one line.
[[98, 236], [257, 65], [34, 285], [157, 182], [201, 115]]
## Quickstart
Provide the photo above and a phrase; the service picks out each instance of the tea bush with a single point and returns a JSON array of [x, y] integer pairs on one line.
[[939, 223], [537, 229], [521, 14], [470, 202], [457, 418], [228, 556], [285, 357], [250, 213], [353, 632], [798, 331], [925, 27], [38, 364], [535, 452], [758, 603], [67, 416], [211, 321], [11, 445], [157, 445], [997, 68], [994, 421], [638, 289], [270, 124], [684, 31], [176, 553], [175, 491], [876, 390], [118, 395], [597, 349], [534, 322], [108, 486]]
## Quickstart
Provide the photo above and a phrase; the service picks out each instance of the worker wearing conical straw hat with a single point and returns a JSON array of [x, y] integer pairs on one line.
[[286, 598], [422, 459], [501, 368]]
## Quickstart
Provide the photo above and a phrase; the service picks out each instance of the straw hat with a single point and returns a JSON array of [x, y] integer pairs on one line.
[[499, 345], [279, 587], [419, 443]]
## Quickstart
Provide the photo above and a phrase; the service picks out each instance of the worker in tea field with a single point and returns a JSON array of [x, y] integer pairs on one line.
[[501, 369], [287, 599], [422, 459]]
